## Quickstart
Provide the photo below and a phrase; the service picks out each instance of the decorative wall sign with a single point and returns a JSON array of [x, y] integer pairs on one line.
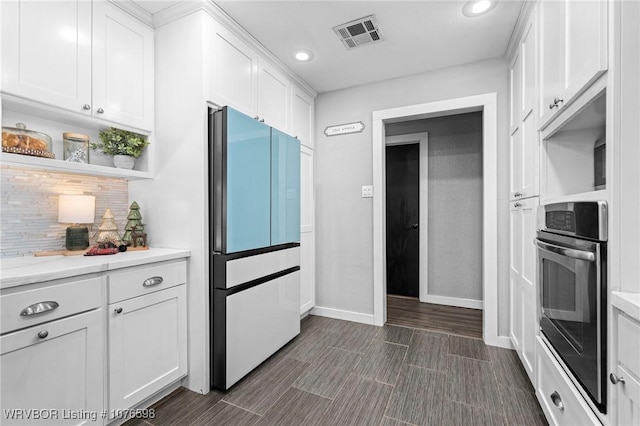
[[344, 129]]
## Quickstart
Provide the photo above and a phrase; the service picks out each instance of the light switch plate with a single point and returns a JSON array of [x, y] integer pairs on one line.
[[367, 191]]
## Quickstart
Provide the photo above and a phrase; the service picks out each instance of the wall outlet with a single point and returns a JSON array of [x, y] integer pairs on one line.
[[367, 191]]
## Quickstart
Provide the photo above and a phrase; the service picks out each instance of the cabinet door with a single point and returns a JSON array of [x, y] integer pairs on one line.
[[147, 345], [307, 230], [285, 188], [515, 164], [122, 67], [628, 398], [528, 284], [302, 121], [585, 45], [248, 197], [515, 271], [529, 68], [234, 67], [529, 160], [273, 97], [515, 78], [62, 371], [46, 52], [551, 25]]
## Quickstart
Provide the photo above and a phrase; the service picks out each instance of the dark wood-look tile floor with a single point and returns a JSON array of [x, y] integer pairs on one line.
[[344, 373], [410, 312]]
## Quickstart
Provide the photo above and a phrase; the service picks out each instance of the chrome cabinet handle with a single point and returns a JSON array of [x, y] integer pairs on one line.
[[149, 282], [564, 251], [86, 107], [517, 205], [118, 310], [557, 401], [256, 118], [615, 379], [556, 103], [39, 308], [43, 334], [517, 194], [100, 111]]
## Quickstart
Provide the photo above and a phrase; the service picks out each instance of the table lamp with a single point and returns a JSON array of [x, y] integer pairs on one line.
[[76, 209]]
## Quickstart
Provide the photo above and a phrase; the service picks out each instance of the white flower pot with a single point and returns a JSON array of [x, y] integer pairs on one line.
[[123, 161]]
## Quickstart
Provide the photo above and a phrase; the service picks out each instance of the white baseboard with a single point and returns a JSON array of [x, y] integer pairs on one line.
[[499, 341], [343, 315], [453, 301]]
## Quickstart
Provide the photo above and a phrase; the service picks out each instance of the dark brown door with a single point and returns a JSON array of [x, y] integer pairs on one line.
[[403, 213]]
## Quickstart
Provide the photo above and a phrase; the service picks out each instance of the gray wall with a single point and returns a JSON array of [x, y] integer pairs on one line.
[[344, 220], [455, 202]]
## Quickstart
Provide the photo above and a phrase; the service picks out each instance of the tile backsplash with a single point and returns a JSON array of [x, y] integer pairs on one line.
[[29, 209]]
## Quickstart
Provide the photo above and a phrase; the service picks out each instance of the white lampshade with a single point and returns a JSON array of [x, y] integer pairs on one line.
[[76, 208]]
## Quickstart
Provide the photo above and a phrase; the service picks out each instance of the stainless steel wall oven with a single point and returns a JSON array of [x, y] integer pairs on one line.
[[572, 286]]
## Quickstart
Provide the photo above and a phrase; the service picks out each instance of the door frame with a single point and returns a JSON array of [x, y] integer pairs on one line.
[[487, 103], [422, 139]]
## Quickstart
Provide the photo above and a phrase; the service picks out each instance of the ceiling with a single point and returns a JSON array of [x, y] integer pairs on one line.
[[418, 36]]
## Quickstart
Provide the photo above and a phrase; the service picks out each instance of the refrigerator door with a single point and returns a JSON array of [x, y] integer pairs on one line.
[[285, 188], [248, 166]]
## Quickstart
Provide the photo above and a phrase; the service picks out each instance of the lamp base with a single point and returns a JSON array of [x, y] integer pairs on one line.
[[77, 238]]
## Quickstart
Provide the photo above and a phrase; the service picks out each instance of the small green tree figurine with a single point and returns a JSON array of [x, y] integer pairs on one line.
[[134, 218]]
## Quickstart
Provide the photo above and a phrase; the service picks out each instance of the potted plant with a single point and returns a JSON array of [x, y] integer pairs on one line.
[[122, 145]]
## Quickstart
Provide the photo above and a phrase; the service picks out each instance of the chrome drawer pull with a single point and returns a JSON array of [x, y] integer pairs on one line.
[[149, 282], [38, 308], [43, 334], [615, 379], [557, 401]]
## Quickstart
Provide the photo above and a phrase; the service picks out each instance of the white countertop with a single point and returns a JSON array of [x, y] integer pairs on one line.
[[629, 303], [16, 271]]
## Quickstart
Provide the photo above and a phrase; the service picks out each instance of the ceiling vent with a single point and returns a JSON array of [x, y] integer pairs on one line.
[[360, 32]]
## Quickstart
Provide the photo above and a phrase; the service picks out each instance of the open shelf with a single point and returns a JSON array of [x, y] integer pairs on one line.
[[54, 122], [573, 154], [67, 167]]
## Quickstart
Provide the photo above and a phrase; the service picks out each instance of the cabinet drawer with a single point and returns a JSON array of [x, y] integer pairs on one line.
[[134, 282], [31, 307], [629, 344], [558, 397]]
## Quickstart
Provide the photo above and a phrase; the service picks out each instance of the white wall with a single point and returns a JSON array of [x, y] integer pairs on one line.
[[344, 220], [455, 202]]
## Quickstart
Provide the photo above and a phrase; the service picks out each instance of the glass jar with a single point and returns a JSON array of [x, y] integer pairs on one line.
[[19, 140], [76, 147]]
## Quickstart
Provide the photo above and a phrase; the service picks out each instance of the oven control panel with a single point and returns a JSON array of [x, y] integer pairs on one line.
[[585, 219], [561, 221]]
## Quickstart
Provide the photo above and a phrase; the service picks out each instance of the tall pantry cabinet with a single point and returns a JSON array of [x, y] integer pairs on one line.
[[524, 198], [203, 59]]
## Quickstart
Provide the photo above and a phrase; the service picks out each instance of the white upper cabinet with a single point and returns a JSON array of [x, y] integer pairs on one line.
[[302, 120], [274, 97], [55, 72], [573, 51], [515, 78], [234, 79], [524, 142], [122, 67], [96, 63]]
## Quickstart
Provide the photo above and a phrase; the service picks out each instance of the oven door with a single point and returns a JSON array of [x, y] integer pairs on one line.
[[569, 279]]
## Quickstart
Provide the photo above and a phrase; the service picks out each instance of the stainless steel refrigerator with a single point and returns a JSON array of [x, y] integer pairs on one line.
[[254, 222]]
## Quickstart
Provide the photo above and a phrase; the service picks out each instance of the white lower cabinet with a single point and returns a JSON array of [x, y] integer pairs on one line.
[[558, 396], [626, 370], [522, 279], [147, 334], [52, 373]]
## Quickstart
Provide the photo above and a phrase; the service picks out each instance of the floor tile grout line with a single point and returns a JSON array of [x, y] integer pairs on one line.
[[237, 406]]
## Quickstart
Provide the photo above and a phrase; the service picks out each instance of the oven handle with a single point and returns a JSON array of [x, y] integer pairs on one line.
[[569, 252]]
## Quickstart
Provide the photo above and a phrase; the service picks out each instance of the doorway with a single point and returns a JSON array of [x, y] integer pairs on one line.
[[487, 103], [414, 148], [403, 216]]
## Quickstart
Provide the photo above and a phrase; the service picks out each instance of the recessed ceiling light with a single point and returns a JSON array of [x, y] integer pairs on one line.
[[475, 8], [303, 55]]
